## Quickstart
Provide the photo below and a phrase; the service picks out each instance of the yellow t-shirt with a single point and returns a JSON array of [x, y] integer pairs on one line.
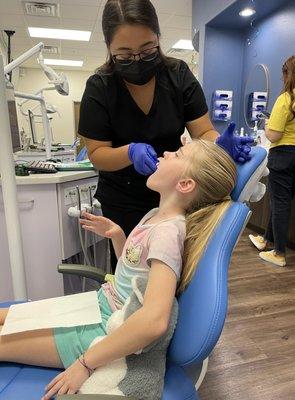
[[281, 120]]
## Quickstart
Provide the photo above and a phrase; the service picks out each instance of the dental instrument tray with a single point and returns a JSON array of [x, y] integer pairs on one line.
[[75, 166], [40, 167]]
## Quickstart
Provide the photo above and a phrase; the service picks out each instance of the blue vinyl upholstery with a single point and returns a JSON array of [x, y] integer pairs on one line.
[[202, 311]]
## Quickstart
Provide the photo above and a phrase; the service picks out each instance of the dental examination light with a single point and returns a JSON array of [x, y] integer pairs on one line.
[[50, 109], [45, 110], [45, 119], [58, 80], [33, 116], [60, 84]]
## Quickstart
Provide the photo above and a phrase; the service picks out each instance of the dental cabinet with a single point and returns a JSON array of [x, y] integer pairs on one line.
[[222, 105], [49, 235]]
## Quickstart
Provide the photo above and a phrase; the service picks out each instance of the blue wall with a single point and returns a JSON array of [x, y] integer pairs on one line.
[[274, 43], [202, 12], [223, 62], [227, 59], [205, 10]]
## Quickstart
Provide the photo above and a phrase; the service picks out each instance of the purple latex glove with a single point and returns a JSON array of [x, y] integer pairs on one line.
[[144, 158], [237, 147]]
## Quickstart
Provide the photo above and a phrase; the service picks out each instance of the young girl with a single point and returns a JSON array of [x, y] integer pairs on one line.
[[194, 184]]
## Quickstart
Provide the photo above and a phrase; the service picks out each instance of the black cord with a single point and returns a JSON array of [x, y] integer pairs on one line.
[[9, 34]]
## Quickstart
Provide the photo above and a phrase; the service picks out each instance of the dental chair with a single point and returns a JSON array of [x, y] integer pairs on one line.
[[202, 306]]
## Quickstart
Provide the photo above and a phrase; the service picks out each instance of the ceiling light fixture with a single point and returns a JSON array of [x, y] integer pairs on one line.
[[67, 63], [183, 44], [66, 34], [247, 12]]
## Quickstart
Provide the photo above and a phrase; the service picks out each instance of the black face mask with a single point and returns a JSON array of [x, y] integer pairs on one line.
[[139, 72]]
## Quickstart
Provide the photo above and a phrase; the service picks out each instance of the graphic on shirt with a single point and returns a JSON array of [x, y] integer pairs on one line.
[[133, 254]]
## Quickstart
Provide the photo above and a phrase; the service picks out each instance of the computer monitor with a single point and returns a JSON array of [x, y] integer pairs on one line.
[[16, 143]]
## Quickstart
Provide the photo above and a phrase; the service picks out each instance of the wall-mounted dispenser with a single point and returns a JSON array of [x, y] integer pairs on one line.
[[256, 104], [222, 105]]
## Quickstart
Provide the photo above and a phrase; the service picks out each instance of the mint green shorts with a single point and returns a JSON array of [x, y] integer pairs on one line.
[[72, 342]]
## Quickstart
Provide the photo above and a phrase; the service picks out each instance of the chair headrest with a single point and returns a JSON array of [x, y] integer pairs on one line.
[[249, 175]]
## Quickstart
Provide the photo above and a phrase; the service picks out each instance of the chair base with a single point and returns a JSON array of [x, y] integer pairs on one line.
[[202, 374]]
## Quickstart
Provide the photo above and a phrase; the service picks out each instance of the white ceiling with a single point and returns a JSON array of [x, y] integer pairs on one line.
[[174, 17]]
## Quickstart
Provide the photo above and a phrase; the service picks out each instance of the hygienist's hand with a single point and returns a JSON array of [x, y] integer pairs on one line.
[[237, 147], [68, 382], [100, 225], [144, 158]]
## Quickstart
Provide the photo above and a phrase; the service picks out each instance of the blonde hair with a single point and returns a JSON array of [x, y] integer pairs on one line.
[[215, 174]]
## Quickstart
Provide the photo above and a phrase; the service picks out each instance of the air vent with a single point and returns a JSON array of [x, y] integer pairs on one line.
[[41, 9], [50, 50]]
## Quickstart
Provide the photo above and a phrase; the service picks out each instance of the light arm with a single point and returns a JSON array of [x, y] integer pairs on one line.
[[24, 57]]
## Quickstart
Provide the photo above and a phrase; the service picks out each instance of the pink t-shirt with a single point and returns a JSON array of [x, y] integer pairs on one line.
[[162, 241]]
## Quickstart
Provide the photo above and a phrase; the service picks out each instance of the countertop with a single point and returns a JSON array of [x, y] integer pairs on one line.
[[58, 177]]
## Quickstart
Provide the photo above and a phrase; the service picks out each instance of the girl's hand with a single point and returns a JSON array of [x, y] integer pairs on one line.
[[68, 382], [185, 138], [100, 225]]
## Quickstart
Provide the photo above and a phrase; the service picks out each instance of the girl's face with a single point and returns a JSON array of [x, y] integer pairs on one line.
[[133, 39], [170, 170]]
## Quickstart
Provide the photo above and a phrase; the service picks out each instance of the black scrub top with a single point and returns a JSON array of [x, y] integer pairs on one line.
[[109, 113]]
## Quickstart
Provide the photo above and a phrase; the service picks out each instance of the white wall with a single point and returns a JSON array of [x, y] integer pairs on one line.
[[3, 51], [33, 79]]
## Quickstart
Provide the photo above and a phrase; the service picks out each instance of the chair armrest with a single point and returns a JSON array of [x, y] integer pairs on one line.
[[85, 271]]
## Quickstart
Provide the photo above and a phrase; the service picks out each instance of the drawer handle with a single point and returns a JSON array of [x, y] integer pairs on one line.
[[22, 202], [25, 201]]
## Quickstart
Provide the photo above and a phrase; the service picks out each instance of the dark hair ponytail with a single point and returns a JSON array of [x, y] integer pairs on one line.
[[127, 12]]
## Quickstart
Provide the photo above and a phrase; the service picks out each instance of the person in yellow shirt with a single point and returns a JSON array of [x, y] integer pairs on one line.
[[280, 130]]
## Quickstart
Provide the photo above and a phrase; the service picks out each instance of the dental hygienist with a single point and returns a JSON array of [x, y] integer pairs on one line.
[[136, 106]]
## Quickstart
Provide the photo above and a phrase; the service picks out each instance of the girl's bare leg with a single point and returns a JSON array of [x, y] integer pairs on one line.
[[3, 313], [32, 347]]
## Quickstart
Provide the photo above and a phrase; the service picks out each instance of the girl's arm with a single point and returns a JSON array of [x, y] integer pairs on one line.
[[118, 242], [144, 326], [138, 331]]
